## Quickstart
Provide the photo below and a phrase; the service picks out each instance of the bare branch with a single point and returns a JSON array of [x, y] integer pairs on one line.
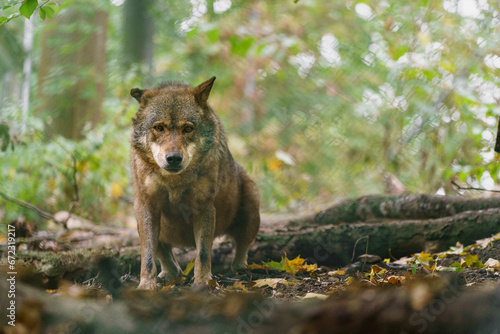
[[473, 188], [40, 212]]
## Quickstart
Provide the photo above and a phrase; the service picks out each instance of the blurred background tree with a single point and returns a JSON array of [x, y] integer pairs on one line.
[[321, 100]]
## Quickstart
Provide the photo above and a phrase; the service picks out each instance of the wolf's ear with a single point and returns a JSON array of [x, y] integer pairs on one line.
[[137, 93], [202, 92]]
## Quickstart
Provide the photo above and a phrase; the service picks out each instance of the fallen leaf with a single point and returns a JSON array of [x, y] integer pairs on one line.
[[350, 280], [492, 263], [395, 280], [254, 266], [336, 272], [239, 286], [189, 267], [471, 261], [272, 282], [403, 260], [291, 266], [433, 268], [377, 269], [315, 295], [424, 258], [483, 243]]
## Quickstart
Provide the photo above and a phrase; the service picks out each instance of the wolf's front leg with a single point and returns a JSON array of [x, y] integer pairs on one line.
[[148, 225], [204, 229]]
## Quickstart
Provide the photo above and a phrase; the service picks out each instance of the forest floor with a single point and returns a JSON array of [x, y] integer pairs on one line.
[[293, 285]]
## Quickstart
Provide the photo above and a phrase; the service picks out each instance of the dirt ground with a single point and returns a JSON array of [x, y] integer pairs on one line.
[[366, 295]]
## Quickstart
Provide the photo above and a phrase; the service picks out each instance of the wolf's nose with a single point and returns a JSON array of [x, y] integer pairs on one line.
[[174, 158]]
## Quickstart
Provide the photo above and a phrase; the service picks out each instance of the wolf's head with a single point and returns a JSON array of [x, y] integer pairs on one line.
[[174, 125]]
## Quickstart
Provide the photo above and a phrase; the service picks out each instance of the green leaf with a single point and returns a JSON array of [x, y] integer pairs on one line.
[[42, 13], [10, 4], [192, 33], [28, 7], [241, 46], [50, 12], [4, 19], [457, 266], [213, 35]]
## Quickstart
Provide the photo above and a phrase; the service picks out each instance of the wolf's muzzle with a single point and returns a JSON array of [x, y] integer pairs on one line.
[[174, 159]]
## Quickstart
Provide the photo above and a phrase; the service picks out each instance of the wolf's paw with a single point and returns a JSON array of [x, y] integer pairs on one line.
[[147, 285], [238, 267], [167, 276], [202, 280]]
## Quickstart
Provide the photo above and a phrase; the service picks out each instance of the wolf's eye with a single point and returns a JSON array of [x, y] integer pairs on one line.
[[188, 129], [158, 128]]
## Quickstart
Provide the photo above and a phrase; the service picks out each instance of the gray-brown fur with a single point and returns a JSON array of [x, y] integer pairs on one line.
[[188, 187]]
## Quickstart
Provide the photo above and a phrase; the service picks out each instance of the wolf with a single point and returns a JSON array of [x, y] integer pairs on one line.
[[188, 188]]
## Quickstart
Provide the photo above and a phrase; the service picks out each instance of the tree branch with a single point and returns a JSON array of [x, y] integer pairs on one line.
[[40, 212]]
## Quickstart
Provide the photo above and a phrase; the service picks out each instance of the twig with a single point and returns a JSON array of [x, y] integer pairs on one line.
[[473, 188], [42, 213], [76, 197], [354, 250]]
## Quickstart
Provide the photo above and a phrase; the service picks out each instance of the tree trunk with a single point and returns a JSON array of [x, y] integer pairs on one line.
[[71, 78], [138, 34]]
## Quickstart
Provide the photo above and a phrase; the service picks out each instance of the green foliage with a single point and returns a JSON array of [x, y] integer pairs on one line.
[[26, 8], [44, 172]]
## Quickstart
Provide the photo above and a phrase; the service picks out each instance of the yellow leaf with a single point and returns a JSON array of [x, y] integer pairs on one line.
[[350, 280], [395, 280], [433, 268], [116, 190], [298, 265], [337, 272], [239, 286], [387, 260], [472, 261], [256, 266], [189, 267]]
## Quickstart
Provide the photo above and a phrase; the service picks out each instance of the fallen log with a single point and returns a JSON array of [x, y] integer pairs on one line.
[[382, 225], [334, 244], [396, 207]]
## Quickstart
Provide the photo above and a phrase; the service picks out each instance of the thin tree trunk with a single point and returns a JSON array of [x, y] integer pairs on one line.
[[25, 95], [138, 34], [71, 79]]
